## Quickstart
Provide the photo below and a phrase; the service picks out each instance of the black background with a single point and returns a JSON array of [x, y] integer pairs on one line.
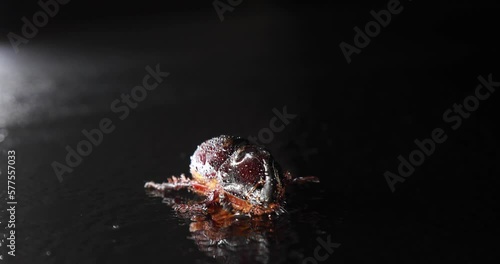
[[354, 120]]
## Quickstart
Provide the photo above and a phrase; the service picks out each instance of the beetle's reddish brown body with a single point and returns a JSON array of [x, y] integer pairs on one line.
[[234, 175]]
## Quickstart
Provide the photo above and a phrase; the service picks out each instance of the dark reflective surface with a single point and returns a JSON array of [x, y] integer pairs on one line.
[[101, 213], [243, 239], [352, 122]]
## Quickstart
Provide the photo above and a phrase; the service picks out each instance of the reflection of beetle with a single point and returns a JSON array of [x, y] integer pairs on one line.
[[234, 175]]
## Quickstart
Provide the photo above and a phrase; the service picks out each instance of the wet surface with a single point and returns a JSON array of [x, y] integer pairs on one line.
[[226, 78]]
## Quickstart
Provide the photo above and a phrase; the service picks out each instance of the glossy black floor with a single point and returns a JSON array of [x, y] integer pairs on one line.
[[347, 124]]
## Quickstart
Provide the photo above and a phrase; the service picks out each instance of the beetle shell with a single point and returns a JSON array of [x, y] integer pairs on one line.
[[211, 154], [241, 169]]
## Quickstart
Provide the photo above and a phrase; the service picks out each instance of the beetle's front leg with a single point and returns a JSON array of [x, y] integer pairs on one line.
[[182, 208], [172, 183], [201, 207]]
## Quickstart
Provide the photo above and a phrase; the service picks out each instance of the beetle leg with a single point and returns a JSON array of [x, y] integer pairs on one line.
[[173, 183], [182, 206], [201, 207], [200, 188], [259, 183], [190, 208]]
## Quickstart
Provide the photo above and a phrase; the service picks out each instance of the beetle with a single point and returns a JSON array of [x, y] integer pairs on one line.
[[234, 176]]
